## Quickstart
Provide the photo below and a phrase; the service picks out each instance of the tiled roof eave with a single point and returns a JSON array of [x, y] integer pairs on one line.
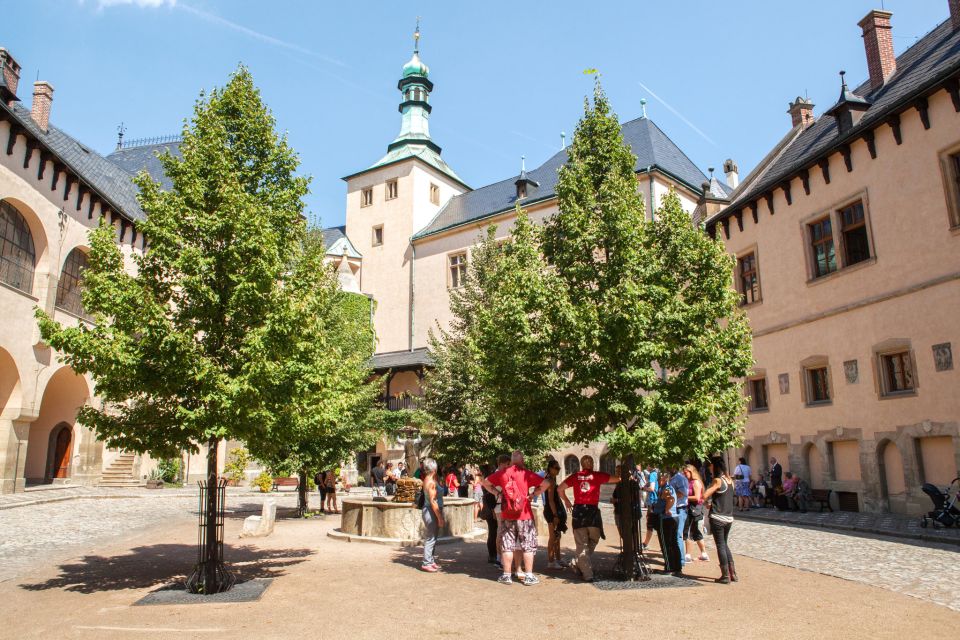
[[404, 159], [475, 221], [869, 121], [546, 198], [113, 206]]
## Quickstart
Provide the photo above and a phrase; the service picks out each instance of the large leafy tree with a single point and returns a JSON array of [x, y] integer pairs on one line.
[[467, 394], [170, 351], [308, 368]]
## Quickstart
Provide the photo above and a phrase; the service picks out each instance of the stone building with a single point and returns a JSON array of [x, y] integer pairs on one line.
[[848, 265], [415, 221]]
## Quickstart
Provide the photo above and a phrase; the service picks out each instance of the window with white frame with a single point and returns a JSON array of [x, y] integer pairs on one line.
[[457, 269]]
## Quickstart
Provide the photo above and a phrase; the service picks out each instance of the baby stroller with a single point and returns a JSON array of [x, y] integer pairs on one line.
[[946, 509]]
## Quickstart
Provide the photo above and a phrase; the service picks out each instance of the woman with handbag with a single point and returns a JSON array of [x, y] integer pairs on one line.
[[719, 497], [741, 487], [691, 529]]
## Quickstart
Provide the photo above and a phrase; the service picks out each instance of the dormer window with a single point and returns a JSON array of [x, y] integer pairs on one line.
[[521, 190]]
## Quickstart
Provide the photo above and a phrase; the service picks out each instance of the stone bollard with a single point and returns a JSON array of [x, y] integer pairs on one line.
[[262, 525]]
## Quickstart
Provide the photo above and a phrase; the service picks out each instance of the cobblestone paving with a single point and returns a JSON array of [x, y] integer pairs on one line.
[[927, 572], [40, 534]]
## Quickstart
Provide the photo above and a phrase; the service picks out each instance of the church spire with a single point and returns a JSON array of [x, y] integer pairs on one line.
[[415, 88]]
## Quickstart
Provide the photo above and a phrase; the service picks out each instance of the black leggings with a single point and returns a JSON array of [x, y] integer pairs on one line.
[[721, 531], [492, 538], [669, 544]]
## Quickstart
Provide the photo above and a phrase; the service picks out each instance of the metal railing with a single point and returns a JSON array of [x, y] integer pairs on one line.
[[399, 403]]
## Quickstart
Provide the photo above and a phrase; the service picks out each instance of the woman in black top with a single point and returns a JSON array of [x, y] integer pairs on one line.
[[556, 516], [720, 497]]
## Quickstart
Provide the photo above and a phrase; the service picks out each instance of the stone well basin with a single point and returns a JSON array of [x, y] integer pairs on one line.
[[379, 520]]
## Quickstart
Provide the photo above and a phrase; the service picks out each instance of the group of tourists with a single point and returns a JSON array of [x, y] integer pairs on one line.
[[678, 504], [785, 491]]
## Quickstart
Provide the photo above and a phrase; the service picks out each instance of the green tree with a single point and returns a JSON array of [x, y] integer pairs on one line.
[[653, 343], [480, 361], [308, 368], [170, 351]]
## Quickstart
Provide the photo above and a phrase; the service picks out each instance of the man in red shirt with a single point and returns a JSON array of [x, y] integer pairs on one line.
[[587, 524], [518, 531]]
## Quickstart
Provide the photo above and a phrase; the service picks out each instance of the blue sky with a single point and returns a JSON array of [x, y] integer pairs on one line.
[[717, 75]]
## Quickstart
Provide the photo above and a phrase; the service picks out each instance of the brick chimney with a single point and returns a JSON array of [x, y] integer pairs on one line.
[[42, 101], [11, 72], [955, 13], [801, 112], [878, 41]]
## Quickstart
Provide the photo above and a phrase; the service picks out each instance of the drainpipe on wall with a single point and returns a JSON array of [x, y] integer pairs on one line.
[[650, 177], [413, 262]]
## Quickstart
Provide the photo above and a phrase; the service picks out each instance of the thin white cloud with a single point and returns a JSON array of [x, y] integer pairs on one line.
[[102, 4], [677, 113], [262, 37]]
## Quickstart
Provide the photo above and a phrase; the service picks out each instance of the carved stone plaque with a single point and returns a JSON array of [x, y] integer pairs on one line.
[[851, 371], [784, 380], [943, 356]]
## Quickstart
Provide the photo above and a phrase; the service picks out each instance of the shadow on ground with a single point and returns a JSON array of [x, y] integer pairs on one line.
[[149, 566], [470, 559]]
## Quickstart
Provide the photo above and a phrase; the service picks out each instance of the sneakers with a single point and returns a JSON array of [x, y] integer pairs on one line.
[[529, 580], [704, 557], [429, 568], [687, 558], [505, 579]]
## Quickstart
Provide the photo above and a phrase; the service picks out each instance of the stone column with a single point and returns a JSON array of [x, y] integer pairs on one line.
[[13, 454]]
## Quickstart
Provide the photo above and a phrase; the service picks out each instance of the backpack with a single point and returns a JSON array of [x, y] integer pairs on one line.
[[513, 498]]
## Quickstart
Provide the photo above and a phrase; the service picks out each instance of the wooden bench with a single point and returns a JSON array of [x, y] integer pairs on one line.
[[286, 482], [823, 497]]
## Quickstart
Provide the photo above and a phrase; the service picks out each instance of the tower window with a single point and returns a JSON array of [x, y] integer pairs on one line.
[[458, 270], [366, 197], [749, 279], [391, 189], [377, 239], [434, 194]]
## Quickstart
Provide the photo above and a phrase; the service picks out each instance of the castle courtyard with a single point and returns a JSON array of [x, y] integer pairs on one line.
[[92, 558]]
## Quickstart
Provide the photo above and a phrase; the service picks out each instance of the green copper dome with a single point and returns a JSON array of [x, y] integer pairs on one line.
[[415, 67]]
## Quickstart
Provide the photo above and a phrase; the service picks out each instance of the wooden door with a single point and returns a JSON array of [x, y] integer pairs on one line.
[[61, 453]]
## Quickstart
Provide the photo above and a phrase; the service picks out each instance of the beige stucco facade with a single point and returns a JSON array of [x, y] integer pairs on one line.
[[904, 299]]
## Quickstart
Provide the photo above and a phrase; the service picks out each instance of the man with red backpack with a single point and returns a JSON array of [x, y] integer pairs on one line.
[[518, 530]]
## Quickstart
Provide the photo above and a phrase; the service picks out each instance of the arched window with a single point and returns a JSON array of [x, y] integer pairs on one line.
[[69, 288], [608, 464], [571, 464], [17, 255]]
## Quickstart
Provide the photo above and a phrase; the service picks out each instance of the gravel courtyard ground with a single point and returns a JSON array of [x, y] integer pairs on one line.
[[74, 569]]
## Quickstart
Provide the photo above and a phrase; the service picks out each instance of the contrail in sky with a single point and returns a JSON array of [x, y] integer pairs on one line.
[[211, 17], [676, 113]]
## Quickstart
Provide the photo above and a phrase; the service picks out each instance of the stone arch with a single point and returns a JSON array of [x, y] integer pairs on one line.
[[23, 245], [813, 463], [891, 476], [63, 395], [571, 464], [59, 452], [69, 285], [11, 395]]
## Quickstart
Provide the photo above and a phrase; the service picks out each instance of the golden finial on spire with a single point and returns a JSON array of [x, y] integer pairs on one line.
[[416, 37]]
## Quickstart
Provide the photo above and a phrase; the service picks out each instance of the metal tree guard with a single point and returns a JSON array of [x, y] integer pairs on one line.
[[210, 575], [630, 565]]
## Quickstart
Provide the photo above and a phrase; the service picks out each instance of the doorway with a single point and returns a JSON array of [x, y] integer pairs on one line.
[[61, 441]]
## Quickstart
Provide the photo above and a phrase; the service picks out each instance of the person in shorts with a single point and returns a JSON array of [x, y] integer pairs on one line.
[[518, 531], [586, 520]]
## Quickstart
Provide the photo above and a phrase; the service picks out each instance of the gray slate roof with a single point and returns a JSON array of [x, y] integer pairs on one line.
[[110, 181], [924, 65], [401, 360], [647, 141], [135, 159]]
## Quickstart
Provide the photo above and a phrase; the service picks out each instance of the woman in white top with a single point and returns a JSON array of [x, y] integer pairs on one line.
[[741, 485]]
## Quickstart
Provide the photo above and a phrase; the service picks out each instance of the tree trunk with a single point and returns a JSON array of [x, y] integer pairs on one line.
[[302, 504], [630, 565], [210, 574]]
